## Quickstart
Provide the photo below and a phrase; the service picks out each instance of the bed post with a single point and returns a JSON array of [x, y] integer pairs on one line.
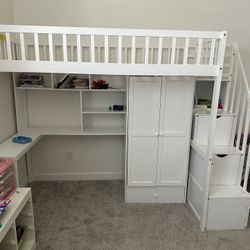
[[213, 116]]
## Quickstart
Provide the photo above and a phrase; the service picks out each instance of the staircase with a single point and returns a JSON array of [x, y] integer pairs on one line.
[[217, 192]]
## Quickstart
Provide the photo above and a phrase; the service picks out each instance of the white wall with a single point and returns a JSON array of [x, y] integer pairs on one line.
[[7, 112]]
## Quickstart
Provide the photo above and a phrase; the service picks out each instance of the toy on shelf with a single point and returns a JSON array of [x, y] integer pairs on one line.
[[3, 206], [22, 139], [100, 84]]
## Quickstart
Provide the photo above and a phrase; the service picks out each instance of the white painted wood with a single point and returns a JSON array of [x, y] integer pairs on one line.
[[198, 166], [223, 131], [173, 48], [160, 50], [177, 98], [146, 50], [186, 50], [111, 68], [155, 194], [211, 135], [212, 51], [143, 132], [226, 169], [194, 197], [8, 46], [110, 31], [79, 48], [22, 46], [199, 50], [106, 50], [119, 49], [36, 42], [51, 54], [92, 41], [133, 50], [228, 213], [21, 202], [65, 48]]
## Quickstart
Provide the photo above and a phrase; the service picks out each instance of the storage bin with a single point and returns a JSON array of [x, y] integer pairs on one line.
[[223, 131], [7, 178]]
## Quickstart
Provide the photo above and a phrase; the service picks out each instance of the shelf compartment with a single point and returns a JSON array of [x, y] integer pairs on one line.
[[101, 100], [53, 109], [103, 124], [228, 208]]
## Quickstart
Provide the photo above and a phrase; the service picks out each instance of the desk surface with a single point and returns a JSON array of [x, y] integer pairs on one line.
[[15, 151]]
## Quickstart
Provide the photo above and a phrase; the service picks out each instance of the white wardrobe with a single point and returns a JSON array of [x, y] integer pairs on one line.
[[159, 126]]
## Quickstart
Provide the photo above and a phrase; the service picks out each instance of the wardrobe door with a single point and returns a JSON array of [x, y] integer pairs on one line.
[[175, 127], [143, 127]]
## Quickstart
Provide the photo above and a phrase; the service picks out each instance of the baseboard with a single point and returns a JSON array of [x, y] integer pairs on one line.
[[78, 176]]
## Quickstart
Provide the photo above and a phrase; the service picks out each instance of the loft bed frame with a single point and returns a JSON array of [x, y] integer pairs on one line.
[[135, 52]]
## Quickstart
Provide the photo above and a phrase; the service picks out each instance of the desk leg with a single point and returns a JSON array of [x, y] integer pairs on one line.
[[29, 168], [17, 174]]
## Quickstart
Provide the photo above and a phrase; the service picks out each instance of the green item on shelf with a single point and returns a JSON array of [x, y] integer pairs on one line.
[[110, 108], [206, 102]]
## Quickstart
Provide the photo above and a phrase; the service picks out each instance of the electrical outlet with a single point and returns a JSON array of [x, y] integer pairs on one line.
[[69, 156]]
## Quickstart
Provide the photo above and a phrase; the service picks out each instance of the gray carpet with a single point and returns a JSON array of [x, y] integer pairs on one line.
[[92, 215]]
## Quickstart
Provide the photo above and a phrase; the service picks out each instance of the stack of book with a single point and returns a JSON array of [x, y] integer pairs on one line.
[[31, 80], [73, 82]]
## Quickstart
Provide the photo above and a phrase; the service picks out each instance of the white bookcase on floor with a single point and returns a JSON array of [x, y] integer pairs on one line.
[[19, 212]]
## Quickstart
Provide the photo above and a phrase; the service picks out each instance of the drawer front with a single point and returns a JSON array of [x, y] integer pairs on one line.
[[155, 195]]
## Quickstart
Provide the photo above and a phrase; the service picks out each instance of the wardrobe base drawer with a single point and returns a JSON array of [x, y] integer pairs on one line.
[[155, 194]]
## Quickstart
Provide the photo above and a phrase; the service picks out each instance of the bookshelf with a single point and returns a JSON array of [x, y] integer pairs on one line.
[[19, 212], [85, 111]]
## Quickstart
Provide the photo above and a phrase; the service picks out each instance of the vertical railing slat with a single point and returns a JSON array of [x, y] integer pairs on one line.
[[119, 49], [199, 50], [233, 89], [186, 50], [146, 50], [78, 48], [212, 51], [22, 46], [92, 47], [159, 50], [245, 184], [51, 54], [9, 55], [37, 54], [236, 112], [65, 48], [106, 49], [133, 51], [173, 50], [241, 123]]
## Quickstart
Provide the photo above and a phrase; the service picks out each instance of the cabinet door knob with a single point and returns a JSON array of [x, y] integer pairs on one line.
[[161, 134], [155, 196]]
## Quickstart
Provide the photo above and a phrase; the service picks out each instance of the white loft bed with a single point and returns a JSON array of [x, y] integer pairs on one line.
[[123, 53]]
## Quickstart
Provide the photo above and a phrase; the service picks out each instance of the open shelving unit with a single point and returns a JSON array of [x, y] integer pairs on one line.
[[19, 212], [72, 111]]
